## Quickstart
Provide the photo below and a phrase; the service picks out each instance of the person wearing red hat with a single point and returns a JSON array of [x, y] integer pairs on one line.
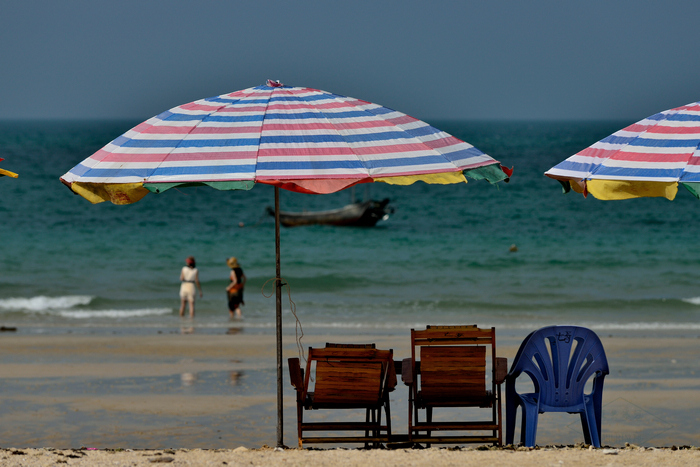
[[189, 277]]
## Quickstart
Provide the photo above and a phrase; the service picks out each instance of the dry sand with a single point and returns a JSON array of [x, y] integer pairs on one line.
[[636, 456]]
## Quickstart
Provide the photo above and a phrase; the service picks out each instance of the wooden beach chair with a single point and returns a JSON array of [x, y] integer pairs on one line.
[[447, 369], [344, 376]]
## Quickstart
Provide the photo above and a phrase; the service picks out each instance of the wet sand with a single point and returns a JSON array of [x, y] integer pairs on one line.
[[196, 391]]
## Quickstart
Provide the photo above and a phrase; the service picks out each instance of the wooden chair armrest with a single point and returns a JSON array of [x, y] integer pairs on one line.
[[407, 371], [296, 374], [501, 370]]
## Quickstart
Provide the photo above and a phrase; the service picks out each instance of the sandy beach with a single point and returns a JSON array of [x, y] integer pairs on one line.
[[637, 456], [203, 399]]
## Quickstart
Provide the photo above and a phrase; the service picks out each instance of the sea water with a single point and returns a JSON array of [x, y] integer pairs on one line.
[[443, 257]]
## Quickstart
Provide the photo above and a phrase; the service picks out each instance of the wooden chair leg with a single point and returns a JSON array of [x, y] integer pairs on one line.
[[387, 410], [378, 430], [300, 419], [429, 419], [367, 420], [499, 418], [410, 416]]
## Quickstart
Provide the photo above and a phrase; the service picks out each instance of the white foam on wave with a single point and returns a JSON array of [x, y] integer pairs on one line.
[[113, 314], [43, 304], [635, 326], [692, 300], [651, 326]]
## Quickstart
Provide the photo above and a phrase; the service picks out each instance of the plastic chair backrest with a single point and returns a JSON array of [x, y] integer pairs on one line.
[[560, 360]]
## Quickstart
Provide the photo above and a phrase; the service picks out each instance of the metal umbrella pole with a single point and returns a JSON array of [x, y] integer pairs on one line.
[[278, 297]]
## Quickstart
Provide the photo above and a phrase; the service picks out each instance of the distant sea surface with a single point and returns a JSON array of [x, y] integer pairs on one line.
[[443, 257]]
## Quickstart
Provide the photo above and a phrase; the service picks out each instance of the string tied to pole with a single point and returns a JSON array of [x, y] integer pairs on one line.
[[299, 331]]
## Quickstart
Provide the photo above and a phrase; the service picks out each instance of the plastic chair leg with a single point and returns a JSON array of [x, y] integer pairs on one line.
[[511, 413], [529, 427], [586, 428], [592, 422]]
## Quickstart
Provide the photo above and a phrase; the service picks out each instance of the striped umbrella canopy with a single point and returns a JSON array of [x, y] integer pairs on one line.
[[7, 173], [647, 159], [299, 139]]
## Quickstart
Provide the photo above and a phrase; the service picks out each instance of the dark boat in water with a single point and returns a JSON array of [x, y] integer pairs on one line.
[[362, 214]]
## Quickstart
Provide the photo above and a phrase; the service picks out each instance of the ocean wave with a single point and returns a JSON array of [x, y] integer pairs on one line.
[[635, 326], [692, 300], [650, 326], [42, 303], [113, 314]]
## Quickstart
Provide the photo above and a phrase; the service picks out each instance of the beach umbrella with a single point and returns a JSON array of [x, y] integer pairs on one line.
[[7, 173], [647, 159], [300, 139]]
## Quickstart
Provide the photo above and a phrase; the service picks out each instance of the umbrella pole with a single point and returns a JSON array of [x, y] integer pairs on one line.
[[278, 296]]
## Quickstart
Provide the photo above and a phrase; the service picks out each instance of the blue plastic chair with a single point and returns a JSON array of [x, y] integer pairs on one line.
[[560, 360]]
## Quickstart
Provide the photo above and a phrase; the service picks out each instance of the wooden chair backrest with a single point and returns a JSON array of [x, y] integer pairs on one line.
[[350, 346], [453, 372], [452, 361], [349, 375]]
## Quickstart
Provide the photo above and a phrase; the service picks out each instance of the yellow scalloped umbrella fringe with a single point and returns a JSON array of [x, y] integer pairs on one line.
[[117, 193], [127, 193], [624, 189], [8, 173], [445, 178]]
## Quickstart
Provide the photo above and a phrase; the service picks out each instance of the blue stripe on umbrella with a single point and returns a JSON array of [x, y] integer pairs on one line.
[[309, 165], [289, 98], [184, 143], [163, 171], [237, 118], [334, 138], [112, 173], [405, 161], [683, 118], [173, 117], [613, 139], [572, 166], [664, 143], [293, 98], [246, 101], [315, 115], [79, 170], [659, 116], [690, 177], [463, 154], [419, 132], [674, 117], [380, 110], [204, 170], [626, 172]]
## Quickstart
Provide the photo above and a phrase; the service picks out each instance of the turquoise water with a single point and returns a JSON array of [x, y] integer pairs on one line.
[[442, 258]]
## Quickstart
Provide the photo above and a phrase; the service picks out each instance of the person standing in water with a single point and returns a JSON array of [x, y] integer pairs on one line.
[[189, 276], [235, 288]]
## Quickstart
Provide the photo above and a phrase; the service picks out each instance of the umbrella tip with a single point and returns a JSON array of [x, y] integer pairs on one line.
[[274, 83]]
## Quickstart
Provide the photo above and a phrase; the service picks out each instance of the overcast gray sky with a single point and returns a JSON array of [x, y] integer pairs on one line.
[[485, 59]]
